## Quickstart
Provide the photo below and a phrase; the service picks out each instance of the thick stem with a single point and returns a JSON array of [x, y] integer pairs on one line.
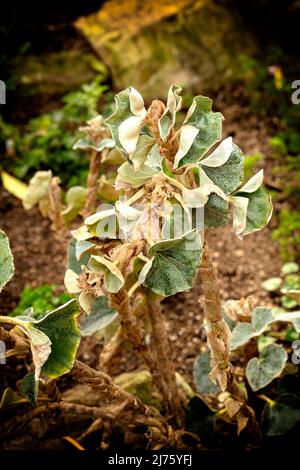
[[218, 331], [92, 183], [161, 347], [134, 333], [218, 339], [55, 209]]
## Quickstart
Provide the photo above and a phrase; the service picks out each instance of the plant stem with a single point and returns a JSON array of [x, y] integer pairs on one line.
[[218, 331], [92, 183], [218, 338], [55, 209], [120, 301], [161, 347]]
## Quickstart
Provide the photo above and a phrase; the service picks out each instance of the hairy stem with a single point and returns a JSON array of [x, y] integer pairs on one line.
[[92, 183], [218, 338], [134, 333], [161, 347], [55, 208]]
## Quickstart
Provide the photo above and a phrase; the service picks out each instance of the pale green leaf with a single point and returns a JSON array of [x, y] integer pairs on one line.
[[208, 125], [175, 264], [144, 145], [229, 176], [263, 370], [201, 371], [6, 261], [281, 416], [100, 317], [167, 121], [37, 189], [112, 276], [272, 284]]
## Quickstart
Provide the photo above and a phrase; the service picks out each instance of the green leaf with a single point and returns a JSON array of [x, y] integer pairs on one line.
[[174, 266], [144, 145], [288, 302], [167, 121], [243, 332], [290, 268], [136, 178], [6, 261], [100, 317], [272, 284], [87, 144], [215, 212], [60, 326], [75, 199], [281, 416], [29, 388], [200, 420], [259, 210], [112, 277], [127, 120], [73, 263], [228, 176], [208, 131], [201, 371], [263, 370], [38, 188], [9, 398]]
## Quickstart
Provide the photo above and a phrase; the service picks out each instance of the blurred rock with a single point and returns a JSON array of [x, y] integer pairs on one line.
[[55, 73], [155, 43]]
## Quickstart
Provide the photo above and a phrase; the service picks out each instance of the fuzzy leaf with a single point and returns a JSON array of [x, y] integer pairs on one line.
[[73, 263], [127, 120], [144, 145], [201, 371], [215, 212], [86, 144], [272, 284], [229, 176], [259, 209], [281, 416], [7, 267], [167, 121], [208, 131], [290, 268], [262, 317], [29, 388], [152, 166], [113, 278], [263, 370], [75, 200], [100, 317], [61, 328], [175, 264], [37, 189]]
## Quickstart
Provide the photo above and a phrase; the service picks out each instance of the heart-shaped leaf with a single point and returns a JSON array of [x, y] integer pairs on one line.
[[6, 261], [229, 176], [174, 266], [112, 276], [281, 416], [100, 317], [201, 371], [263, 370]]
